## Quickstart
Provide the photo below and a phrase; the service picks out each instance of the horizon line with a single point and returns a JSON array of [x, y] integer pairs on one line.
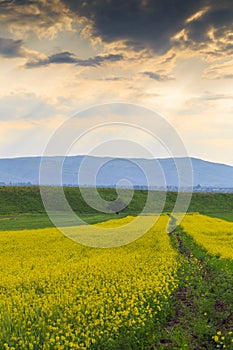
[[115, 157]]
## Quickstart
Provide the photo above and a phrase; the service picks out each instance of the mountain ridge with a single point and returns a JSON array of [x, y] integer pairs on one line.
[[112, 169]]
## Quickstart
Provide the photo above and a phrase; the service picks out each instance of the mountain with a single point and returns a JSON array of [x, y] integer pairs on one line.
[[110, 171]]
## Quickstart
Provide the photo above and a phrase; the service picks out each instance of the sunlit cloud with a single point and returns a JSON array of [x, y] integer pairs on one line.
[[45, 18], [61, 56], [197, 15], [222, 70]]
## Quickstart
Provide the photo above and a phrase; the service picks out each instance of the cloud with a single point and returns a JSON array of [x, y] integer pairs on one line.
[[25, 106], [210, 33], [26, 137], [155, 25], [208, 96], [158, 76], [168, 59], [141, 24], [113, 79], [204, 26], [70, 58], [207, 104], [45, 18], [219, 71], [11, 48], [228, 76]]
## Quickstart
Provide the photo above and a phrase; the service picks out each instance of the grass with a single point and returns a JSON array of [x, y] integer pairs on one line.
[[202, 311], [31, 221], [22, 208], [22, 199], [228, 216]]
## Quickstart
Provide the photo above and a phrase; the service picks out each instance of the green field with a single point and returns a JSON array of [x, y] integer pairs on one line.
[[22, 207], [162, 291]]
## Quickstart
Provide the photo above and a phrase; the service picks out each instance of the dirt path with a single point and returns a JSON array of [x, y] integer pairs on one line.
[[202, 304]]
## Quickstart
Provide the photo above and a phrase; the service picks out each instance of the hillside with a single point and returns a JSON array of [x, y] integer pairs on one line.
[[23, 199], [26, 171]]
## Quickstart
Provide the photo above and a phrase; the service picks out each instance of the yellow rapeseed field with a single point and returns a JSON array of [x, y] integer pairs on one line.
[[58, 294], [214, 234]]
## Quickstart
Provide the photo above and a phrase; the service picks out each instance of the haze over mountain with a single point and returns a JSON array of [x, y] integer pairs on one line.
[[110, 171]]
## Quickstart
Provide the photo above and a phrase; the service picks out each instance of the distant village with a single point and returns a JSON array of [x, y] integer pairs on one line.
[[197, 188]]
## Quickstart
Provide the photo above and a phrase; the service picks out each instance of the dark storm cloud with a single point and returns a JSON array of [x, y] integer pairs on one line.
[[219, 17], [11, 48], [152, 24], [141, 24], [16, 2], [70, 58], [158, 76]]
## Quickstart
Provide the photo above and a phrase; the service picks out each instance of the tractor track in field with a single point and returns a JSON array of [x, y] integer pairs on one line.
[[201, 304], [186, 308]]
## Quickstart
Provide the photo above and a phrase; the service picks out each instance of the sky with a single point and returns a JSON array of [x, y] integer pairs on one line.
[[59, 57]]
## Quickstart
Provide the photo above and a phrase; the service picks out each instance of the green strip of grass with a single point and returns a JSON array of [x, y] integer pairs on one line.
[[22, 208], [18, 200], [228, 216], [202, 312], [33, 221]]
